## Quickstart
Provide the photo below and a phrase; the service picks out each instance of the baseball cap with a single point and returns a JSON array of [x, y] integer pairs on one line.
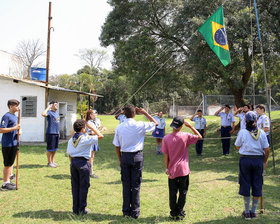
[[177, 122], [251, 116]]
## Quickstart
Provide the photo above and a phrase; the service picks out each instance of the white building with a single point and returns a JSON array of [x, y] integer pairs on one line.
[[31, 95]]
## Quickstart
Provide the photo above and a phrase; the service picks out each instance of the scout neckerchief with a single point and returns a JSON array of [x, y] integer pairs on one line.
[[76, 139], [255, 133]]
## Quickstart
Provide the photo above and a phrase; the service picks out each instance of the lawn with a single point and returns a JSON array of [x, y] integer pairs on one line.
[[44, 194]]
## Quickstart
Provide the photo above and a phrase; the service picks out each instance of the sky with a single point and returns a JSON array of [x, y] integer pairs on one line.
[[77, 25]]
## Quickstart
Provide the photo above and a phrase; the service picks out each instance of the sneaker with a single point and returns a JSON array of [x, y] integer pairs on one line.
[[93, 176], [12, 177], [246, 216], [12, 184], [253, 215], [55, 164], [8, 187], [51, 165]]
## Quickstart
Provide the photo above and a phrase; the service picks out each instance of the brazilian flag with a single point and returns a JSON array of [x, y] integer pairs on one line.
[[214, 32]]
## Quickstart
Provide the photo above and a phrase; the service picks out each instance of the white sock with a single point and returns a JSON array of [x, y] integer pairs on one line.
[[4, 183]]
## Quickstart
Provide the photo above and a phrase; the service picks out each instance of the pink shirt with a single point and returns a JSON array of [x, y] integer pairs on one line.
[[176, 146]]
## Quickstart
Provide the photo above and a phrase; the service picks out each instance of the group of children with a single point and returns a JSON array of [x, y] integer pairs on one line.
[[252, 142]]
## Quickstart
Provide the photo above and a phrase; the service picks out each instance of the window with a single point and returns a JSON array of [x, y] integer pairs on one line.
[[29, 106]]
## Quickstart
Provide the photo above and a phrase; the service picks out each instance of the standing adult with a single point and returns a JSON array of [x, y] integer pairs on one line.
[[201, 127], [176, 159], [250, 142], [227, 127], [240, 112], [129, 142], [159, 132], [52, 132]]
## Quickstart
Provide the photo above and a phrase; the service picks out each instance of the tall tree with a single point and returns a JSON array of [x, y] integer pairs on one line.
[[140, 29], [92, 57], [27, 52]]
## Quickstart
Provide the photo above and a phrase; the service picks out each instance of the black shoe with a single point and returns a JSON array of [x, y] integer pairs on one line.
[[12, 177], [8, 187], [85, 212]]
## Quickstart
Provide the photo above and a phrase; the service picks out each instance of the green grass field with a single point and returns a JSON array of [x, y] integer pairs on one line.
[[44, 194]]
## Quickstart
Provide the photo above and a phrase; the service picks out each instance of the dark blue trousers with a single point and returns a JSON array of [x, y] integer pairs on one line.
[[80, 169], [199, 144], [225, 132], [131, 175]]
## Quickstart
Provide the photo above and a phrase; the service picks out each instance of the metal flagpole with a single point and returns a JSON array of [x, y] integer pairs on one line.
[[265, 79]]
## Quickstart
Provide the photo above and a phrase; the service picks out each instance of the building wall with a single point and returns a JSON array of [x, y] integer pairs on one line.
[[32, 127], [70, 100]]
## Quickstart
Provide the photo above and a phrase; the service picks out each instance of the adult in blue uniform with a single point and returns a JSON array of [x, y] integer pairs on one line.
[[129, 142], [79, 151], [159, 132], [9, 127], [227, 127], [253, 159], [52, 133], [201, 127]]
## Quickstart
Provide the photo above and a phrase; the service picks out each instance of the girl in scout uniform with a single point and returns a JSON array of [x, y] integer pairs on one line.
[[250, 142], [159, 132]]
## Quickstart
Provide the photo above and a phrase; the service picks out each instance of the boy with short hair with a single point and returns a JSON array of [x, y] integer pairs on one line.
[[9, 126], [241, 112], [52, 133], [263, 121], [201, 127], [79, 151], [176, 159]]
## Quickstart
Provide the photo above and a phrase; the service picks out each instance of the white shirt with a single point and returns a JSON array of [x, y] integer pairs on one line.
[[161, 122], [226, 119], [82, 147], [199, 122], [263, 122], [129, 135], [242, 120], [91, 124], [121, 118], [249, 145]]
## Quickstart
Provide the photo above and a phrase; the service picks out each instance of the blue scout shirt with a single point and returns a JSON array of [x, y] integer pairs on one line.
[[8, 121], [226, 119], [161, 122], [242, 120], [200, 122], [250, 144], [122, 118], [81, 146], [53, 122], [263, 122]]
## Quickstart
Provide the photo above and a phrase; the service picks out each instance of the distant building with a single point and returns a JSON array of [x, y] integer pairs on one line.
[[31, 95]]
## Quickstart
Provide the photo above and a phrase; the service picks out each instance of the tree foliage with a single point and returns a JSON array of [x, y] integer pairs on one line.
[[162, 35]]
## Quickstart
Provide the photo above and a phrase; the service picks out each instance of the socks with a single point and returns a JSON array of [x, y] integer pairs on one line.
[[247, 204], [255, 203], [158, 148], [4, 183]]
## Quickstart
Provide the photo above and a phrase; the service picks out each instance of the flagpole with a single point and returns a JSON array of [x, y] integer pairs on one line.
[[265, 79]]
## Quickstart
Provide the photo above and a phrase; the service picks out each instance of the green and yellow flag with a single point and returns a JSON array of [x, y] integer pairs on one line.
[[214, 32]]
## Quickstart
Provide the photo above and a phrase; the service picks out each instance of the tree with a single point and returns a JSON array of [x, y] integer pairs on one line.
[[92, 57], [140, 29], [27, 52]]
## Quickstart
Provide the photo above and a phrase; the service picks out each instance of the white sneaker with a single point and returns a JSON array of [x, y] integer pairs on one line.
[[55, 164], [51, 165]]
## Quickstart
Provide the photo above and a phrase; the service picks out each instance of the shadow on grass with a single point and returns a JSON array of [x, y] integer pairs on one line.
[[60, 176], [94, 217], [143, 181], [31, 166]]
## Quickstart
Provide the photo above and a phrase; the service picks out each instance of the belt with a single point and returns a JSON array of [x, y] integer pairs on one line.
[[251, 156], [226, 126], [133, 152], [83, 158]]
